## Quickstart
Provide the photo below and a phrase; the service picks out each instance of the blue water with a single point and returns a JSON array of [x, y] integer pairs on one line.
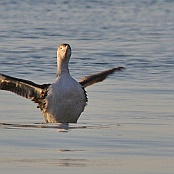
[[128, 125]]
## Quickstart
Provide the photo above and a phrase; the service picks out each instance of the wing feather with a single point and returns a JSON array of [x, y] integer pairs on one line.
[[95, 78], [22, 87]]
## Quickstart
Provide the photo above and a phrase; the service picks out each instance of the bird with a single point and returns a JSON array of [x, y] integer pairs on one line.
[[64, 100]]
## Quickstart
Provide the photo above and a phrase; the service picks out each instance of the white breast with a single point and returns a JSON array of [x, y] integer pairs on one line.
[[65, 100]]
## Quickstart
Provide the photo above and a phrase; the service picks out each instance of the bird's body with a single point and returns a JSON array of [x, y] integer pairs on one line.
[[62, 101], [65, 100]]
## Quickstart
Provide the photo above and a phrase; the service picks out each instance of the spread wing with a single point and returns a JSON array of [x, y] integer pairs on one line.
[[95, 78], [22, 87]]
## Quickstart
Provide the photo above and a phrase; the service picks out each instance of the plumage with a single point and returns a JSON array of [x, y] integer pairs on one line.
[[24, 88], [99, 77], [62, 101]]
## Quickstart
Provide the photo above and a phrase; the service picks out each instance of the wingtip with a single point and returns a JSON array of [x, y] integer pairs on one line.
[[120, 68]]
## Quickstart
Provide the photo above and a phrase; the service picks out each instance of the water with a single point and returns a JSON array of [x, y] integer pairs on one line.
[[128, 125]]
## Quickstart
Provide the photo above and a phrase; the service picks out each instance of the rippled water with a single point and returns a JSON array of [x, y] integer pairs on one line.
[[128, 125]]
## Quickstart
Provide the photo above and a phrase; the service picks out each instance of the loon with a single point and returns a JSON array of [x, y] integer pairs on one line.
[[62, 101]]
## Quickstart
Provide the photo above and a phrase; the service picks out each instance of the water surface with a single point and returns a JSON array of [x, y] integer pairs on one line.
[[128, 125]]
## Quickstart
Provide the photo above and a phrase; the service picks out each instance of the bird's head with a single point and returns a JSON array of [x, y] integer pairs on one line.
[[64, 52]]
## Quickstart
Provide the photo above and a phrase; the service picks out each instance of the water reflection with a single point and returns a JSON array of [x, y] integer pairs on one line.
[[61, 127], [70, 162], [57, 162]]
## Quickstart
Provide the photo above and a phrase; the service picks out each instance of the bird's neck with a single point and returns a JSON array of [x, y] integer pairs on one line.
[[62, 66]]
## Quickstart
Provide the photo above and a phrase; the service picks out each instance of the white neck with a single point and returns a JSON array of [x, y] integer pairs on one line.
[[62, 66]]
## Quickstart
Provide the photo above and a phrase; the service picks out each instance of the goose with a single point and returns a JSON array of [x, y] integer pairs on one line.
[[62, 101]]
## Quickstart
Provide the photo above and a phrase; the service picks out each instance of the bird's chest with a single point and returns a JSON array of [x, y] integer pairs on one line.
[[65, 92]]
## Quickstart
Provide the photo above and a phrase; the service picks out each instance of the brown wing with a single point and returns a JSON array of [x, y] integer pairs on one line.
[[22, 87], [95, 78]]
